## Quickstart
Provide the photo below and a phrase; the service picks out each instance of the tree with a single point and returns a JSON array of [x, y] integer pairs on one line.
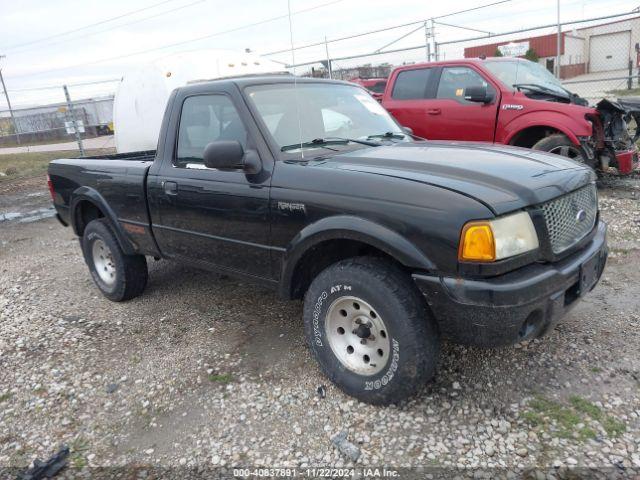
[[531, 55], [498, 53]]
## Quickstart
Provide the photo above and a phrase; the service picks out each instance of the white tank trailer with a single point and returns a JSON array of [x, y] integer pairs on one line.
[[142, 95]]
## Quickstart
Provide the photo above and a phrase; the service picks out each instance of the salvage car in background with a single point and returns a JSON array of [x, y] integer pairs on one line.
[[390, 242], [375, 86], [510, 101]]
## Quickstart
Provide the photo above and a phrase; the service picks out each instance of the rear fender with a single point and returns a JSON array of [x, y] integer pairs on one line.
[[91, 195]]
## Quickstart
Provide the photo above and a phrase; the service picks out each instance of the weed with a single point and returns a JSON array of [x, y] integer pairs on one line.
[[220, 377], [585, 407], [612, 426]]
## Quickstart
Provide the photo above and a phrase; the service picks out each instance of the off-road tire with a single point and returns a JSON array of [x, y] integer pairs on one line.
[[412, 331], [554, 143], [130, 270]]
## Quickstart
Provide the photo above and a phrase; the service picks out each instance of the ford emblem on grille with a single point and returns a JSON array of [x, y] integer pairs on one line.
[[581, 216]]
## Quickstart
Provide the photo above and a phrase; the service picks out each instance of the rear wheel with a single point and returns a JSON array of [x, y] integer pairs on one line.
[[118, 276], [370, 330]]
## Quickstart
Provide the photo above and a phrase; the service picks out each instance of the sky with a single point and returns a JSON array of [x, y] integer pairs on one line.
[[48, 44]]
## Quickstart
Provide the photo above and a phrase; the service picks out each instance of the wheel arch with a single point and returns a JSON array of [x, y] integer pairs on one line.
[[551, 121], [335, 238], [86, 205]]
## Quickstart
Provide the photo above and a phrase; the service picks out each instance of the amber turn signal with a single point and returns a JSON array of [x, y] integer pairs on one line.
[[477, 243]]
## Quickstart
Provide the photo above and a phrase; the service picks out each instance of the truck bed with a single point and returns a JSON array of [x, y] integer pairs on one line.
[[117, 181]]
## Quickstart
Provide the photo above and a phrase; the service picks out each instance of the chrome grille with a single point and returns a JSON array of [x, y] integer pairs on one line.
[[570, 217]]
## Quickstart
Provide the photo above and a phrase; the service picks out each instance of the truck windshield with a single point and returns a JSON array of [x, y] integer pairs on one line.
[[310, 111], [519, 72]]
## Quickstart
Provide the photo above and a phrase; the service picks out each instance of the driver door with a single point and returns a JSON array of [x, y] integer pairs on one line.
[[210, 216]]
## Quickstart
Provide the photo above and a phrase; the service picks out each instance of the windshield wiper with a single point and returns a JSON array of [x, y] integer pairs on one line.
[[386, 135], [540, 88], [322, 142]]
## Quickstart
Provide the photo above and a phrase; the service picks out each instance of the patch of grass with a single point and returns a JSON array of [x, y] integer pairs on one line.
[[77, 447], [565, 418], [596, 369], [613, 427], [533, 418], [624, 92], [586, 407], [5, 396], [19, 165], [543, 412], [586, 433], [78, 461], [220, 377]]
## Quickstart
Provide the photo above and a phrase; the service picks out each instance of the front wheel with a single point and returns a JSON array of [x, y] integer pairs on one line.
[[118, 276], [370, 330], [561, 145]]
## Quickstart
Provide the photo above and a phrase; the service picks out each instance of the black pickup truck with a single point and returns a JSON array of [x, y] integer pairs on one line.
[[310, 187]]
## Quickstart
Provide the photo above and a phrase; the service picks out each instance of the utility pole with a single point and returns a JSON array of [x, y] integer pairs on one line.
[[427, 45], [558, 43], [326, 48], [6, 95], [74, 122], [436, 55]]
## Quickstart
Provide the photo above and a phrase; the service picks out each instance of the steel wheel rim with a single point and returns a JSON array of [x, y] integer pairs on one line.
[[357, 335], [569, 151], [103, 262]]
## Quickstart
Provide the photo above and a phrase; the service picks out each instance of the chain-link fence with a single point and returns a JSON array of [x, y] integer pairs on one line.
[[88, 109], [594, 58]]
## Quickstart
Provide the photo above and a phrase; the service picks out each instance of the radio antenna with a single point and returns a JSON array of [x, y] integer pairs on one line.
[[295, 78]]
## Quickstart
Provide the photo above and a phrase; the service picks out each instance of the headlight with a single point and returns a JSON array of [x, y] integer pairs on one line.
[[490, 240]]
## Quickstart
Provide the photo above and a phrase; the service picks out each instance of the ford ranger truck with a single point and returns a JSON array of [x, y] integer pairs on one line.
[[511, 101], [310, 187]]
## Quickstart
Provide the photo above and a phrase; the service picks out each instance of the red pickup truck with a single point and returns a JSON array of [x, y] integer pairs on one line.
[[511, 101]]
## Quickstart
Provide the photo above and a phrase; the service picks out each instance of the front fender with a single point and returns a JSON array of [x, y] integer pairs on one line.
[[348, 227], [566, 124], [92, 195]]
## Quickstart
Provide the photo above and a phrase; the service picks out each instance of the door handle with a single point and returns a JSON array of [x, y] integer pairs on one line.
[[434, 111], [170, 188]]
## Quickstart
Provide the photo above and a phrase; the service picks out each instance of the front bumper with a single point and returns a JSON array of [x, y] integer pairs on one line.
[[627, 161], [518, 305]]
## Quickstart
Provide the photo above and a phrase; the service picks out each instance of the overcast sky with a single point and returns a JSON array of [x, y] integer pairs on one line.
[[39, 51]]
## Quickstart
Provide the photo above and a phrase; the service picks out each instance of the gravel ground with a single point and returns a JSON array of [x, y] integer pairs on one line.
[[203, 371]]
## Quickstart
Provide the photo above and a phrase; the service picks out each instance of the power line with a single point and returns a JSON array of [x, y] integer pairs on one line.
[[386, 29], [450, 42], [55, 87], [183, 42], [133, 12], [89, 34]]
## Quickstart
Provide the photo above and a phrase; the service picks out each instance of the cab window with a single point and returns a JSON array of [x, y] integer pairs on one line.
[[454, 81], [412, 84], [205, 119]]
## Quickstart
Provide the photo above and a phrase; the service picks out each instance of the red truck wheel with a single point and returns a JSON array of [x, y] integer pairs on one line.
[[561, 145]]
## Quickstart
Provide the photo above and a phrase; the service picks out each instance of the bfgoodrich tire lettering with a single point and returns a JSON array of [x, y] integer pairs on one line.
[[405, 326], [121, 277]]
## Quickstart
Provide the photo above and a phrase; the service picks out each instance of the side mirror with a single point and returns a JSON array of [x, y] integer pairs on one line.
[[478, 94], [223, 154]]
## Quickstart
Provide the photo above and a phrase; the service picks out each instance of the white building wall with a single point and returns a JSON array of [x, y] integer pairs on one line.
[[628, 48]]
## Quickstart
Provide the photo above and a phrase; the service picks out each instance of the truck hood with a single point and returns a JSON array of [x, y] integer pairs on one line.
[[502, 178]]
